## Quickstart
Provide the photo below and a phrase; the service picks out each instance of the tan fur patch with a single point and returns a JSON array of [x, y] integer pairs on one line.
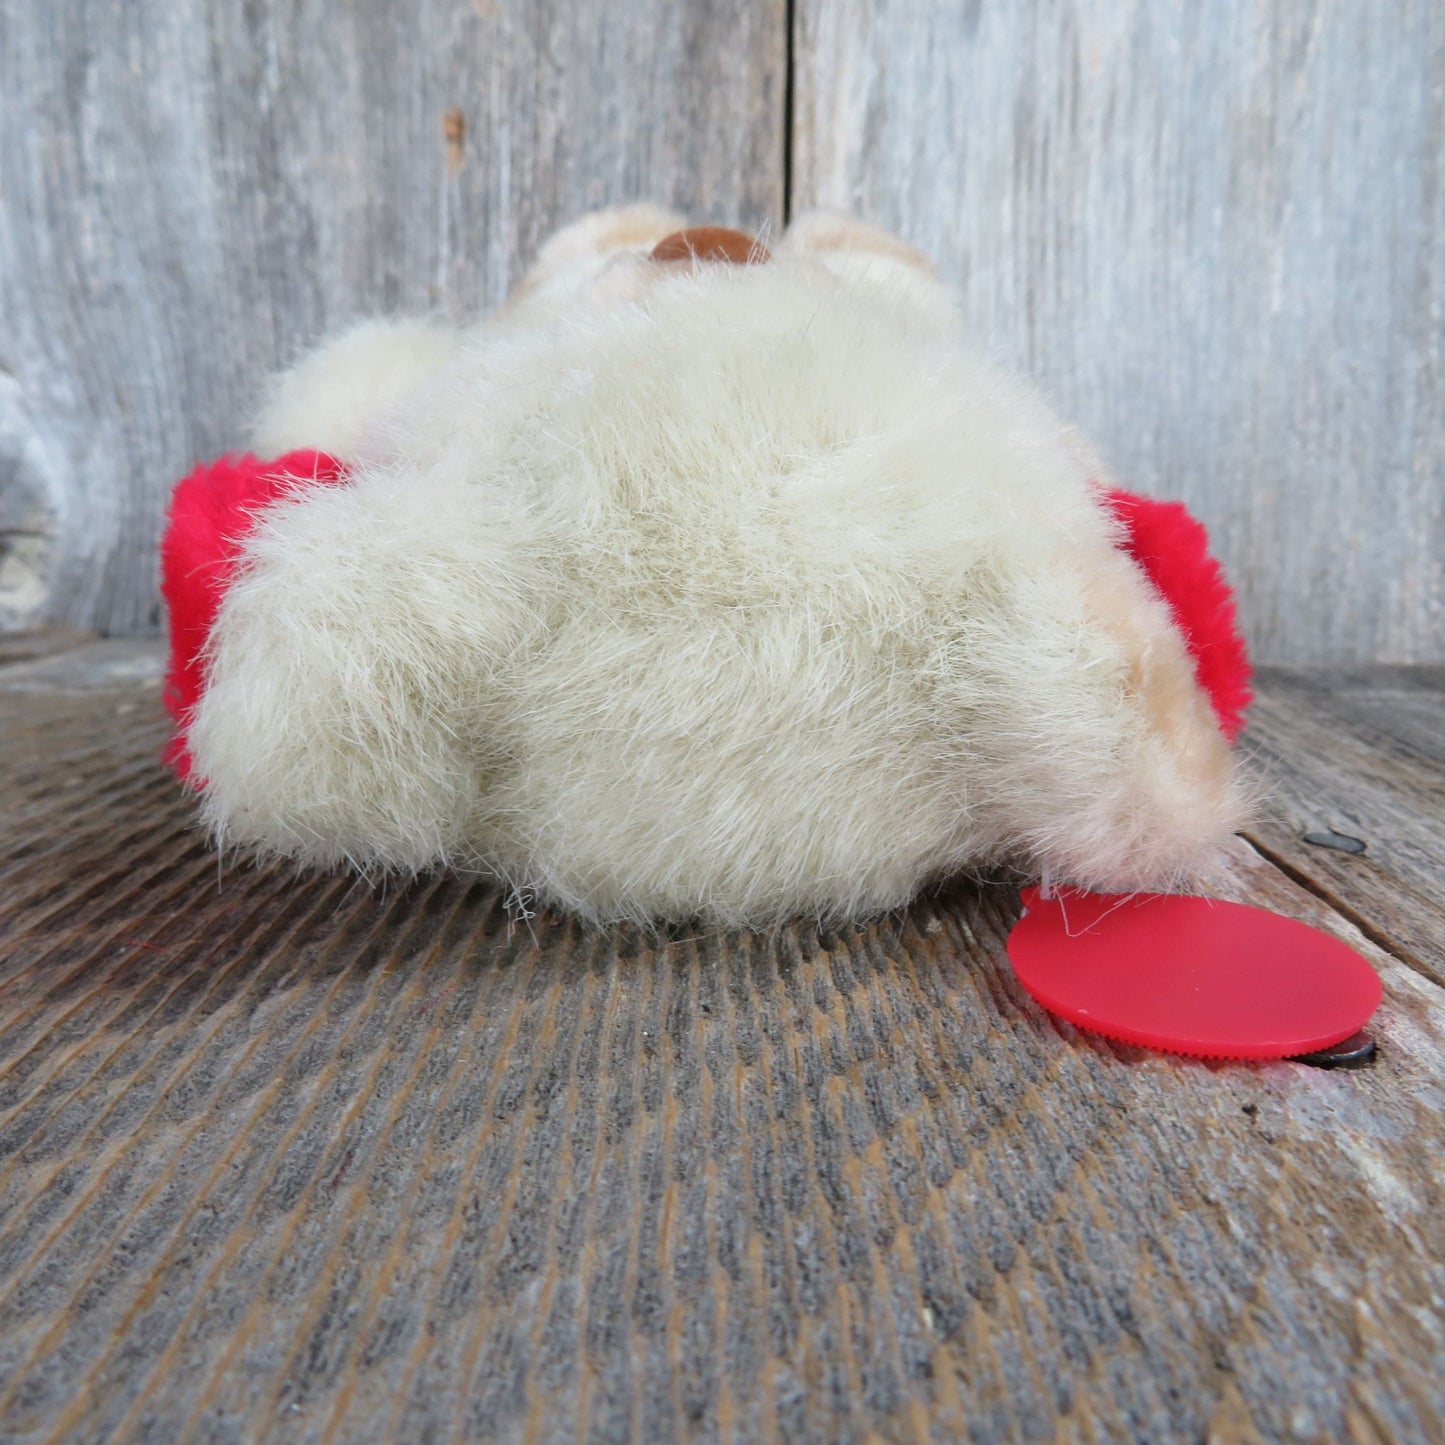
[[710, 243], [1161, 675]]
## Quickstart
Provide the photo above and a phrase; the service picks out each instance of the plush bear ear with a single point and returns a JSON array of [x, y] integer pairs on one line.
[[833, 234], [1171, 548], [868, 256], [211, 513], [584, 247]]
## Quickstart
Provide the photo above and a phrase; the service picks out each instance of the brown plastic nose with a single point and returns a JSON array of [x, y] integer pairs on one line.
[[710, 243]]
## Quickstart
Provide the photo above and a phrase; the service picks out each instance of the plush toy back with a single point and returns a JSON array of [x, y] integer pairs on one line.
[[706, 579]]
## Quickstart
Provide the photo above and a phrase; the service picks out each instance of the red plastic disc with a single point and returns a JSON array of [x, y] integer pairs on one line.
[[1191, 975]]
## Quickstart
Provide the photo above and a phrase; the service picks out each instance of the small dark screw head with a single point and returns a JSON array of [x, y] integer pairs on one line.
[[1340, 842]]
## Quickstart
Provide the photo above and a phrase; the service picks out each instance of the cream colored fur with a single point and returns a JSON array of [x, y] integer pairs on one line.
[[737, 593], [333, 395]]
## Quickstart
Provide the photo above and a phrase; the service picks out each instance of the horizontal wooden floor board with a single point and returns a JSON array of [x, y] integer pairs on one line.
[[284, 1157], [41, 642], [1360, 753]]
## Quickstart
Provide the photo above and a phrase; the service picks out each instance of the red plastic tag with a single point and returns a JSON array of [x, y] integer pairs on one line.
[[1190, 975]]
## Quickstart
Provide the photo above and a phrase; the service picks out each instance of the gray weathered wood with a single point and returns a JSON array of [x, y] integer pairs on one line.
[[42, 642], [1215, 233], [1360, 754], [284, 1159], [192, 191]]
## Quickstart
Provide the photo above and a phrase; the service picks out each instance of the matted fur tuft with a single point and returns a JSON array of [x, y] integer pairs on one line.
[[739, 592]]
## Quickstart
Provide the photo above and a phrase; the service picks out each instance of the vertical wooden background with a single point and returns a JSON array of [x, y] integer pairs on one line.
[[1215, 232], [195, 189]]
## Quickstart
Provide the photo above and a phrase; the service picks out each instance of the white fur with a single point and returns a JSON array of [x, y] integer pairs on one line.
[[739, 593], [331, 396]]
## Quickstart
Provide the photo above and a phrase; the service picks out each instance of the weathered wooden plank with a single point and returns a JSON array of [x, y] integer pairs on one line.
[[1215, 233], [285, 1158], [1361, 755], [194, 191], [41, 642]]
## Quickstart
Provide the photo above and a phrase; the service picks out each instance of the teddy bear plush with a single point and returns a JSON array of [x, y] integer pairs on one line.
[[702, 581]]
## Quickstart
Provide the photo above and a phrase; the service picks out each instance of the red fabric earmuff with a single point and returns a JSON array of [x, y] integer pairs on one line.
[[211, 512], [1172, 549]]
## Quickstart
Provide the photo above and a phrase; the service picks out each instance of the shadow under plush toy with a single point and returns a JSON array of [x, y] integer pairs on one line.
[[698, 582]]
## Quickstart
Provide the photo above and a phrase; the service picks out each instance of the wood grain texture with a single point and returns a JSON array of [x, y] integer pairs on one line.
[[1361, 754], [194, 191], [285, 1159], [1214, 233]]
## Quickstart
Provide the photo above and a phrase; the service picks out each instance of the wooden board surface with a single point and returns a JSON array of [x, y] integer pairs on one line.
[[1214, 233], [287, 1159], [193, 191], [1360, 756]]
